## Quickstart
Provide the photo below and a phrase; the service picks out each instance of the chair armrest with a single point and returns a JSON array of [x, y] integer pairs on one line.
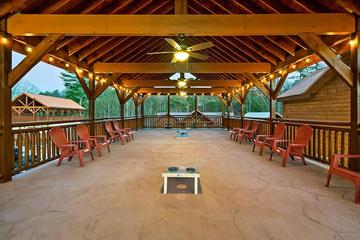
[[104, 137], [86, 142], [275, 143], [71, 146], [262, 136], [334, 162]]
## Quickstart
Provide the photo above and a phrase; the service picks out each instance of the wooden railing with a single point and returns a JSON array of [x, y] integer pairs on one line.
[[185, 121], [327, 139], [33, 146]]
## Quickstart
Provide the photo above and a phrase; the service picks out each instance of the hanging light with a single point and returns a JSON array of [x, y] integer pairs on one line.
[[293, 66], [183, 93], [28, 49], [307, 60], [51, 59], [67, 65], [4, 40], [181, 84], [181, 55]]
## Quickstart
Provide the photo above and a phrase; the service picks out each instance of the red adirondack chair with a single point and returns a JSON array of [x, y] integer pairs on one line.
[[267, 140], [124, 131], [346, 173], [295, 147], [248, 134], [95, 141], [235, 131], [69, 148], [114, 135]]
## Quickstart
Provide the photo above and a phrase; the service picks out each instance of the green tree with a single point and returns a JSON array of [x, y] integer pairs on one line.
[[73, 89]]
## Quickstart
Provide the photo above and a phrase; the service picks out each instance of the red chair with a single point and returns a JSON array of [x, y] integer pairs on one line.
[[346, 173], [95, 141], [114, 135], [248, 134], [235, 131], [267, 140], [125, 131], [295, 147], [69, 148]]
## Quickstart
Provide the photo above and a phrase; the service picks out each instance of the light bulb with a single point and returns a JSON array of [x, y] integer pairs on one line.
[[181, 84], [181, 55]]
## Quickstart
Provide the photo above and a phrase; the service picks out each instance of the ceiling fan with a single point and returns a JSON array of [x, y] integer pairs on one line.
[[182, 52]]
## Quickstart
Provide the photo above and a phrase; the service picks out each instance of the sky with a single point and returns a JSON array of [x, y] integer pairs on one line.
[[44, 76]]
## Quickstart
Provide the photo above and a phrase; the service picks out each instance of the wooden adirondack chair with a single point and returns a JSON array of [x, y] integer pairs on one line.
[[248, 134], [235, 131], [69, 148], [267, 140], [125, 131], [95, 141], [346, 173], [295, 147], [114, 135]]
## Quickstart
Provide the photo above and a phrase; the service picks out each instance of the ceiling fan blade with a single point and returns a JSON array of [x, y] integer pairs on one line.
[[173, 43], [151, 53], [174, 60], [200, 46], [199, 56]]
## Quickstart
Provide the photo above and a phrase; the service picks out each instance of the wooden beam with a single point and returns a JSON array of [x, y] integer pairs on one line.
[[33, 58], [189, 91], [92, 99], [6, 136], [81, 79], [195, 25], [174, 68], [327, 55], [131, 94], [101, 87], [279, 85], [181, 7], [152, 83], [258, 84]]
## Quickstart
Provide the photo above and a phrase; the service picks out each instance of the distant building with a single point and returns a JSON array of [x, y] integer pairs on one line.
[[28, 107], [320, 96]]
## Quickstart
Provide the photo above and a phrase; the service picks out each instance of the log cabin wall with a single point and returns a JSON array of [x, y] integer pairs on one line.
[[331, 102]]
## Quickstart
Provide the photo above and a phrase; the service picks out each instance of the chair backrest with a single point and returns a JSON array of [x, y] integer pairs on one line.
[[82, 131], [58, 136], [302, 136], [246, 124], [109, 128], [116, 125], [279, 131], [255, 126]]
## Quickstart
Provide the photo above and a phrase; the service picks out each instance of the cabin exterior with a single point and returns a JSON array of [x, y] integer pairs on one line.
[[320, 96]]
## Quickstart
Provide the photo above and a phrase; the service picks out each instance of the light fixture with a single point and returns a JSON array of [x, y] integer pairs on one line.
[[158, 94], [293, 66], [51, 59], [183, 93], [271, 75], [4, 40], [307, 60], [81, 71], [181, 84], [181, 55], [97, 78], [351, 42], [103, 80], [280, 71], [67, 65], [28, 49], [202, 94]]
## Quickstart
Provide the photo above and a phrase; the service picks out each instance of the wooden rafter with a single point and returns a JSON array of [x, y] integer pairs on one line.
[[279, 85], [81, 79], [101, 87], [164, 25], [258, 84], [33, 58], [327, 55]]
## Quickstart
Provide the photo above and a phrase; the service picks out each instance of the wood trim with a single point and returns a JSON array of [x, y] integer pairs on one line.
[[167, 25]]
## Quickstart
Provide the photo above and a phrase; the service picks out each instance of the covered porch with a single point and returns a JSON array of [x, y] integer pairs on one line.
[[244, 196]]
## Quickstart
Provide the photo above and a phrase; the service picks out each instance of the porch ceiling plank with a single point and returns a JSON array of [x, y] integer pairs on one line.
[[100, 88], [10, 6], [80, 44], [269, 46], [165, 25], [152, 83], [315, 43], [193, 67], [54, 6], [108, 48], [45, 46], [349, 5], [181, 6], [94, 47], [282, 43]]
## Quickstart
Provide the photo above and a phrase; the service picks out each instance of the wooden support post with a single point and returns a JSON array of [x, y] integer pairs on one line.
[[168, 111], [272, 107], [142, 113], [196, 107], [92, 103], [354, 142], [6, 142], [136, 115]]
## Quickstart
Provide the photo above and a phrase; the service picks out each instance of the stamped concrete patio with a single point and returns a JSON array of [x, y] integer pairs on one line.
[[118, 195]]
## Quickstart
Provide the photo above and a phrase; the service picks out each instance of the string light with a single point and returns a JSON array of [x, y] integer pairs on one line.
[[97, 78], [307, 60], [4, 40], [351, 42], [51, 59], [158, 94], [293, 66], [28, 49], [67, 65], [103, 80], [280, 71], [202, 94], [271, 76]]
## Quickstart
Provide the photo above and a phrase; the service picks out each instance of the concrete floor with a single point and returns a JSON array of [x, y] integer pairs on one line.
[[118, 195]]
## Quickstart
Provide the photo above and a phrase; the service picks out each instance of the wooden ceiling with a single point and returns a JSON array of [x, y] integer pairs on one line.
[[84, 51]]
